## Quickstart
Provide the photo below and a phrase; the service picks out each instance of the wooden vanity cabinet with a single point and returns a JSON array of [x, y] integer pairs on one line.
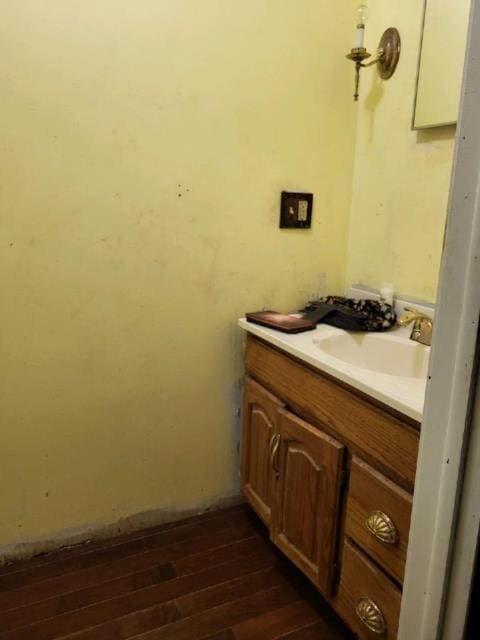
[[331, 474]]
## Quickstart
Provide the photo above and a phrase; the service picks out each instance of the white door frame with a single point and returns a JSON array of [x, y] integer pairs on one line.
[[430, 611], [465, 544]]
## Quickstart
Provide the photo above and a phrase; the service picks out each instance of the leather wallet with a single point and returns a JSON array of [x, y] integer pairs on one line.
[[280, 321]]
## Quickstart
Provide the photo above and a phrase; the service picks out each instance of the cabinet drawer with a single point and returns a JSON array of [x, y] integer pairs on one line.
[[378, 517], [367, 600]]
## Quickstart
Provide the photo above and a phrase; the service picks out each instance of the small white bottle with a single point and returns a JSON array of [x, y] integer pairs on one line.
[[386, 293]]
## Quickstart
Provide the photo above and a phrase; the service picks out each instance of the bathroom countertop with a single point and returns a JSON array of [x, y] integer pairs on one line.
[[404, 394]]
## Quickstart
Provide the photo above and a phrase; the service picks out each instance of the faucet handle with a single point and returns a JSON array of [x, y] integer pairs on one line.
[[412, 315], [416, 312]]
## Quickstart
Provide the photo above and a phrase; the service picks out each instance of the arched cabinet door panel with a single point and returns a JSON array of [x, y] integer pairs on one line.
[[306, 508], [259, 447]]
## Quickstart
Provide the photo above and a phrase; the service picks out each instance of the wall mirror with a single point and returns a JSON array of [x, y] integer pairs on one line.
[[441, 61]]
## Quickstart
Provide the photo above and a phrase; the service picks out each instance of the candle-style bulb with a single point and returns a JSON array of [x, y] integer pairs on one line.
[[362, 14]]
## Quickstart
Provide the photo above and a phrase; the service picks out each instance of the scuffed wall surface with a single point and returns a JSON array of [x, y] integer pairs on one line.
[[144, 146]]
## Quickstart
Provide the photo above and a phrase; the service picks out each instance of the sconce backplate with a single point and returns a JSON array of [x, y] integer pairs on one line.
[[389, 49]]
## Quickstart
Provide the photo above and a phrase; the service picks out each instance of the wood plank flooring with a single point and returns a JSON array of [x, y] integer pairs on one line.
[[215, 577]]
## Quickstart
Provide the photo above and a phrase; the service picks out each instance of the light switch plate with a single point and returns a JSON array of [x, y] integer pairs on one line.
[[296, 210]]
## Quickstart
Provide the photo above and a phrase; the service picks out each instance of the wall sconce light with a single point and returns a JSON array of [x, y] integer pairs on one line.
[[388, 52]]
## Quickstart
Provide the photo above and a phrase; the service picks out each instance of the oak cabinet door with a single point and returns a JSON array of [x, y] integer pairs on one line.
[[259, 448], [307, 498]]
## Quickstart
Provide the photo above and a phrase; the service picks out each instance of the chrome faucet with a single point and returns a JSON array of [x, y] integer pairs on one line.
[[422, 325]]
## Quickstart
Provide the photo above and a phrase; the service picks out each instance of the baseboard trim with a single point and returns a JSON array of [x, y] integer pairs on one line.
[[28, 549]]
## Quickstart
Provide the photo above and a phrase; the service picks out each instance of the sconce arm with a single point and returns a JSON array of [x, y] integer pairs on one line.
[[381, 56]]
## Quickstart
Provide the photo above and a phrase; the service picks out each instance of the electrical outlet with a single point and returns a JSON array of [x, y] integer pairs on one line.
[[296, 210], [302, 210]]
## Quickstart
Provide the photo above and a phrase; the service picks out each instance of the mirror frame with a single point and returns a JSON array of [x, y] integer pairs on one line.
[[415, 99]]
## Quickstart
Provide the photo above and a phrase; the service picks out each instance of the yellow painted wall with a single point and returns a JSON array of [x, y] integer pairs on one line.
[[144, 147], [401, 177]]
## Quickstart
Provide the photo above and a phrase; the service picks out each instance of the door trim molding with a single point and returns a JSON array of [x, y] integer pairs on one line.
[[450, 390]]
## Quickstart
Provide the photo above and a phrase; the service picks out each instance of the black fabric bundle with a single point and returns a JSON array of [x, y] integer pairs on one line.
[[351, 314]]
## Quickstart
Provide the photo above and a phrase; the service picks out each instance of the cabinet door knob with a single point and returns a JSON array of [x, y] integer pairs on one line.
[[382, 527], [371, 615]]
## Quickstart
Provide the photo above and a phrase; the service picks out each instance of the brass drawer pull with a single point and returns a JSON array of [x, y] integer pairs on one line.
[[371, 616], [382, 527]]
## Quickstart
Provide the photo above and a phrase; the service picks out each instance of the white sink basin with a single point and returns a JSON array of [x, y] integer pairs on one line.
[[388, 367], [381, 353]]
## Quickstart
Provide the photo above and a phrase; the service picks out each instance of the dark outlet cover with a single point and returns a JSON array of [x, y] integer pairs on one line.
[[296, 210]]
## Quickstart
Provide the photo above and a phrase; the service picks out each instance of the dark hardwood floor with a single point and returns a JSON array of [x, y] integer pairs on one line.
[[215, 576]]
